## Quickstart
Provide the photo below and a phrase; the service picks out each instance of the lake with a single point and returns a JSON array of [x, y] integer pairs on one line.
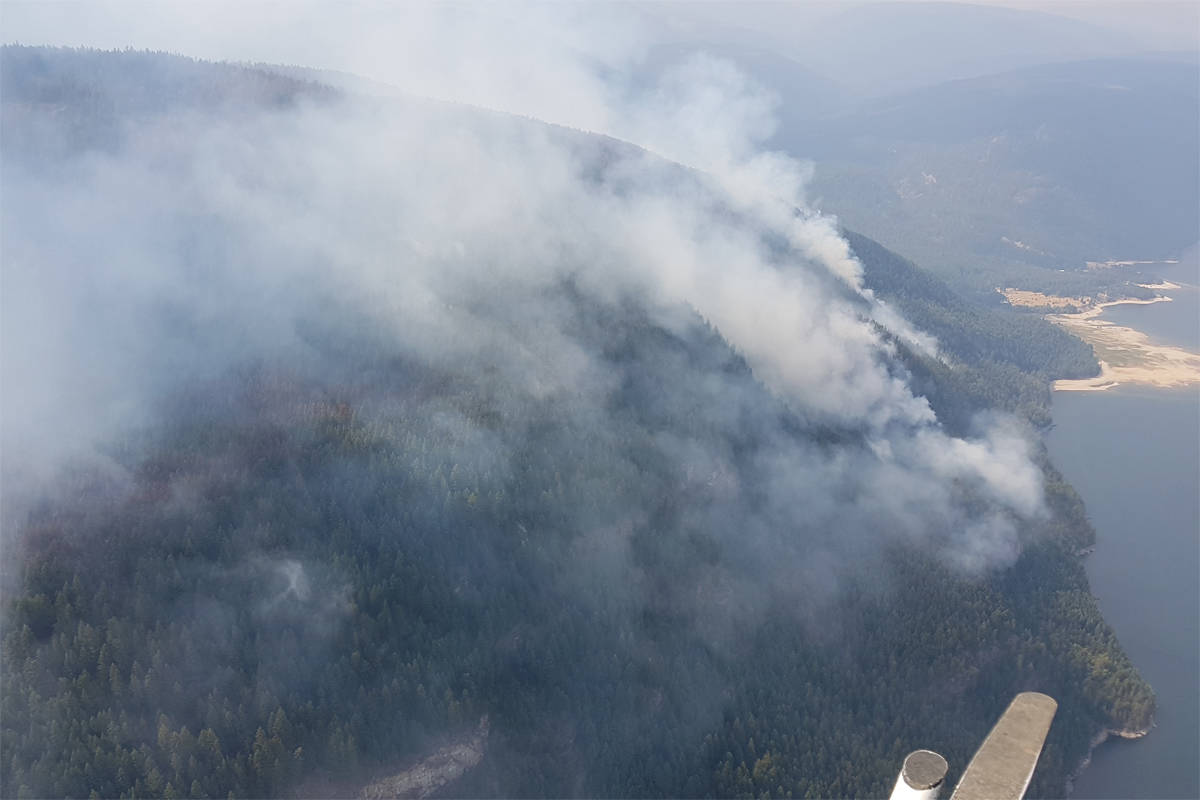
[[1177, 322], [1134, 456]]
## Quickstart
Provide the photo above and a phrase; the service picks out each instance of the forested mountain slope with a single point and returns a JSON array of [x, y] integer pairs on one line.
[[368, 460], [989, 357]]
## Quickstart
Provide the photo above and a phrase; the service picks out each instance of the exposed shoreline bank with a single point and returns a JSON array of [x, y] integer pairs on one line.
[[1126, 355]]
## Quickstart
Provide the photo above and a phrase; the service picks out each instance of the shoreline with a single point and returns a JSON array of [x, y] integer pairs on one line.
[[1097, 309], [1097, 740], [1100, 738], [1126, 355]]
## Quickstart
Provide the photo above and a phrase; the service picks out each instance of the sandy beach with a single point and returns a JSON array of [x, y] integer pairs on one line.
[[1126, 355]]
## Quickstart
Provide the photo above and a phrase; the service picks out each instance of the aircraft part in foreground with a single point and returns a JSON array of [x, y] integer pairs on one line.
[[921, 776], [1002, 766]]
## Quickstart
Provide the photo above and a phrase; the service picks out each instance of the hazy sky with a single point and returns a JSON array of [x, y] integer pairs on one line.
[[317, 34], [1170, 24]]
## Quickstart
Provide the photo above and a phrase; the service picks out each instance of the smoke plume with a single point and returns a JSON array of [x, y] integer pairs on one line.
[[206, 239]]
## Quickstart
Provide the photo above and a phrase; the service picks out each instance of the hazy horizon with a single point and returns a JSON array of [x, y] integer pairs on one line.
[[390, 43]]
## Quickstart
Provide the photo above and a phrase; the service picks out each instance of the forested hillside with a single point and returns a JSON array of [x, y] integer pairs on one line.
[[990, 357], [335, 535]]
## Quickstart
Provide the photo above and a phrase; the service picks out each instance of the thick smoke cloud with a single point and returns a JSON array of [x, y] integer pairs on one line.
[[206, 241]]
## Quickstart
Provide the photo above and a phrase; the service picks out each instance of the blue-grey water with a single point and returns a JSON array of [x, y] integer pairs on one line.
[[1177, 322], [1134, 456]]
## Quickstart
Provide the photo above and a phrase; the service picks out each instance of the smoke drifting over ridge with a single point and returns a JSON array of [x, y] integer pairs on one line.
[[208, 239]]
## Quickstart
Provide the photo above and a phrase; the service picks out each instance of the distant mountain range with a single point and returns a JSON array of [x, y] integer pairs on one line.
[[1006, 178], [992, 144], [877, 49], [1049, 166]]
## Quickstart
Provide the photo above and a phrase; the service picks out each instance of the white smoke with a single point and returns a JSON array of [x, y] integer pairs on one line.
[[416, 214]]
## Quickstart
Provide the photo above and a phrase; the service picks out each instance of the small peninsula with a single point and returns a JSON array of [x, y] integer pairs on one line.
[[1126, 355]]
